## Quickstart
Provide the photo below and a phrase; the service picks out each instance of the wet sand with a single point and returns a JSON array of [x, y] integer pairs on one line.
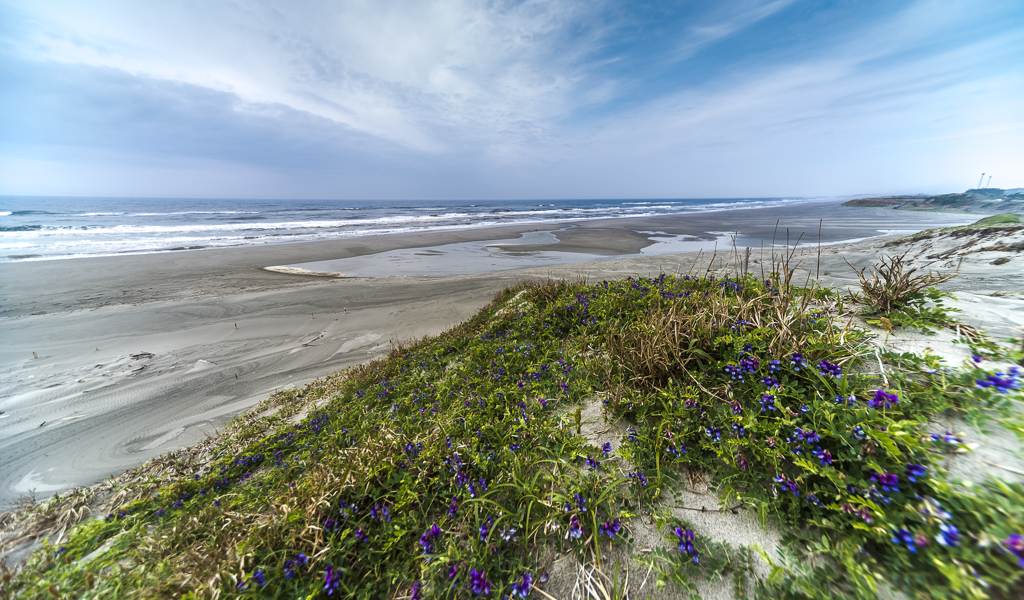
[[224, 332]]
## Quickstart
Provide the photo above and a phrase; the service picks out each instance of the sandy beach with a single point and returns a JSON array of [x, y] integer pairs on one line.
[[108, 362]]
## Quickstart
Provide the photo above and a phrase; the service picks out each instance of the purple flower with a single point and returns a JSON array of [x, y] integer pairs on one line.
[[823, 455], [949, 535], [609, 528], [485, 529], [976, 358], [902, 536], [478, 582], [714, 433], [883, 400], [798, 361], [427, 539], [787, 484], [1015, 545], [332, 579], [737, 409], [638, 476], [522, 587], [1003, 382], [915, 471], [453, 570], [686, 543], [361, 535], [575, 529], [767, 402], [581, 503], [888, 481], [877, 496], [858, 432], [810, 435], [416, 593], [826, 369], [950, 438], [380, 511], [593, 464]]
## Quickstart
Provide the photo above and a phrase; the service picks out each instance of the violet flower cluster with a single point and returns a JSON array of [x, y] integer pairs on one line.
[[1002, 382], [686, 543], [609, 528], [882, 400]]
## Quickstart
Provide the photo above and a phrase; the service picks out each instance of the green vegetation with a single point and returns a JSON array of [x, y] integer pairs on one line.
[[453, 468], [1000, 220], [894, 296]]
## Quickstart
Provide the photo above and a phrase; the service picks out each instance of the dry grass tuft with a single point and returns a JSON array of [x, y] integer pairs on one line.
[[892, 284]]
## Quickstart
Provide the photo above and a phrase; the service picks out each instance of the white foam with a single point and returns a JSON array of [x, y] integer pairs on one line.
[[52, 242]]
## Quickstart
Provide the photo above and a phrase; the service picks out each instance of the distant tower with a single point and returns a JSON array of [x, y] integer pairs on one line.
[[987, 183], [980, 180]]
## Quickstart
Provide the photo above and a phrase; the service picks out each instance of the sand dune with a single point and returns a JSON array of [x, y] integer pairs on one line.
[[225, 333]]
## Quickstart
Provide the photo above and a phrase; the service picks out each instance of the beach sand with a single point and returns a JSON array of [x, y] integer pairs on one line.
[[224, 332]]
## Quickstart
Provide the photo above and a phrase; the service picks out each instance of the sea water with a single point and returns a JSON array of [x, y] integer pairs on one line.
[[48, 228]]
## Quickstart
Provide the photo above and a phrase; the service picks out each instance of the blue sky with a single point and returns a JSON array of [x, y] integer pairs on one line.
[[559, 99]]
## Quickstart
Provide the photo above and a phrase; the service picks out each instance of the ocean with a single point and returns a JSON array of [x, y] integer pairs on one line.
[[38, 228]]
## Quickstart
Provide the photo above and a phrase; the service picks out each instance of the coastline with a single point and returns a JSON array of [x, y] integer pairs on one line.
[[77, 414]]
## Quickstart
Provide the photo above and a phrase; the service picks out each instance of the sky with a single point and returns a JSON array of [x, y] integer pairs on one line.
[[391, 99]]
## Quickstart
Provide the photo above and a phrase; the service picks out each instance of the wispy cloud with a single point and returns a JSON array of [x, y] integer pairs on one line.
[[528, 98]]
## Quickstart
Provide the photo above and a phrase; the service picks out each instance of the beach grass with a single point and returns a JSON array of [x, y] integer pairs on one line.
[[456, 467]]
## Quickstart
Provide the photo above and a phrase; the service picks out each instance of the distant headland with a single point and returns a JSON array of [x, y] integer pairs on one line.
[[984, 200]]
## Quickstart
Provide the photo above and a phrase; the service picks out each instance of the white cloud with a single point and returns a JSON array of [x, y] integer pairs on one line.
[[524, 97], [429, 75], [411, 72]]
